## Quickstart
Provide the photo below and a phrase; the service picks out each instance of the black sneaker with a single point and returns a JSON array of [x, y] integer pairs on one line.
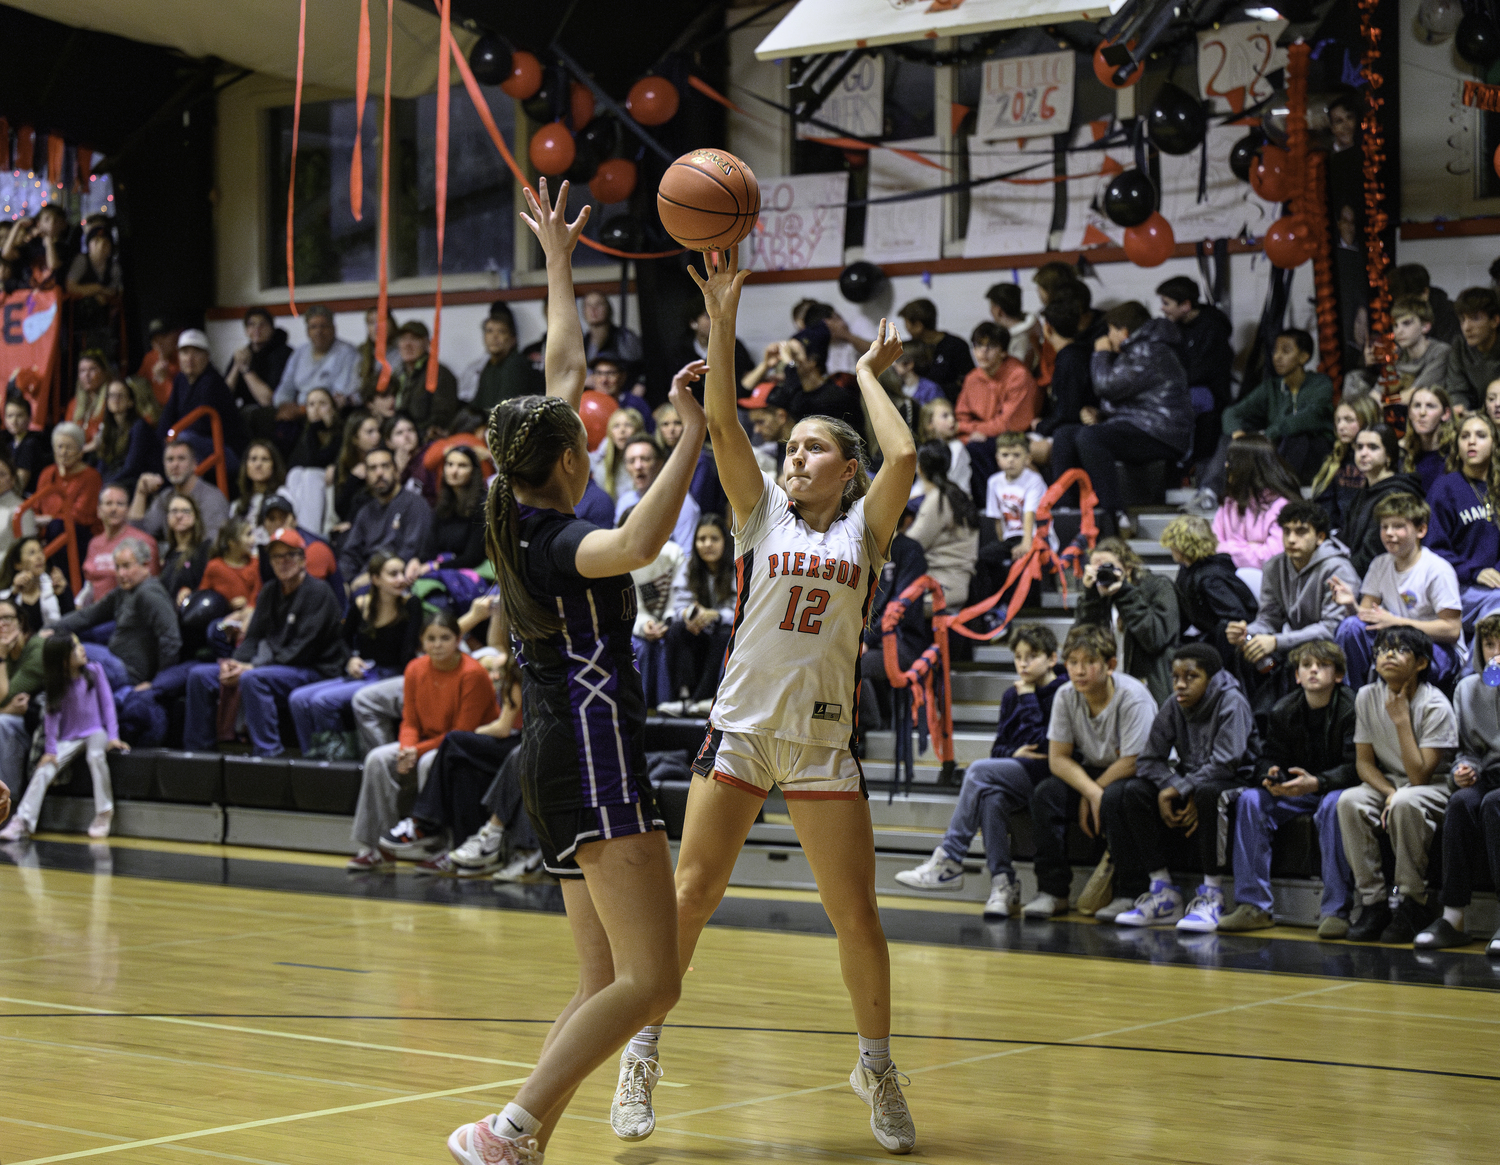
[[1440, 936], [1409, 918], [1372, 923]]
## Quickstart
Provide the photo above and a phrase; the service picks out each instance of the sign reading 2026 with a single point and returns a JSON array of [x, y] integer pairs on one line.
[[1026, 97]]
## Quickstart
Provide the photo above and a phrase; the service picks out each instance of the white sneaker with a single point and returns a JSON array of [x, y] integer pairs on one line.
[[630, 1112], [479, 1144], [406, 841], [939, 872], [1112, 912], [672, 708], [890, 1120], [526, 866], [1204, 912], [1044, 905], [700, 707], [15, 830], [1005, 897], [482, 851], [1159, 906], [371, 861], [99, 827]]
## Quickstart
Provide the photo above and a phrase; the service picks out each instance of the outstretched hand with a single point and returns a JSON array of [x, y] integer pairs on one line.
[[691, 413], [549, 221], [721, 288], [885, 348], [689, 372]]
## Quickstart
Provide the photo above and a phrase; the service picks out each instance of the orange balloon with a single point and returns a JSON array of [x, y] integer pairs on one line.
[[1106, 72], [1497, 160], [581, 101], [615, 180], [596, 408], [525, 76], [1150, 244], [1289, 242], [1271, 176], [552, 148], [652, 101]]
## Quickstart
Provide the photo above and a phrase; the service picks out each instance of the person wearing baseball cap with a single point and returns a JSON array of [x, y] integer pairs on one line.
[[770, 416], [197, 385], [294, 638], [160, 364], [433, 411], [279, 513]]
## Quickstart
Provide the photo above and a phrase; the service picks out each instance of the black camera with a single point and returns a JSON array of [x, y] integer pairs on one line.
[[1107, 574]]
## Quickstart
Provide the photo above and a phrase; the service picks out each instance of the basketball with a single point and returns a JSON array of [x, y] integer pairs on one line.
[[708, 200]]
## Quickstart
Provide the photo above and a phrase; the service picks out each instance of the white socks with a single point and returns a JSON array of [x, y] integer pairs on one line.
[[1214, 880], [875, 1055], [644, 1042], [1162, 875], [515, 1122], [1454, 916]]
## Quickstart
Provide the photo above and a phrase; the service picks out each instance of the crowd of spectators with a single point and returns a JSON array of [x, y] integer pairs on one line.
[[287, 611]]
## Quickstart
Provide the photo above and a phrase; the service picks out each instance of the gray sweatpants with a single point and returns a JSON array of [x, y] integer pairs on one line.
[[1415, 813], [380, 792], [377, 712]]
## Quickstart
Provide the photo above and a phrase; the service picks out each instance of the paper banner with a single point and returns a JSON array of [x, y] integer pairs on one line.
[[1231, 206], [801, 223], [1234, 60], [1007, 218], [28, 348], [1089, 173], [1026, 97], [857, 106], [903, 232]]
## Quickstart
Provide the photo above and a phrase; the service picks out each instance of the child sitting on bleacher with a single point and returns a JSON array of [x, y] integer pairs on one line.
[[1209, 728], [993, 789], [1308, 761]]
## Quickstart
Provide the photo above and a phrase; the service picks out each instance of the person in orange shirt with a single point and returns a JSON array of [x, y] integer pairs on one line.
[[999, 396], [80, 483], [234, 569], [160, 365], [445, 691]]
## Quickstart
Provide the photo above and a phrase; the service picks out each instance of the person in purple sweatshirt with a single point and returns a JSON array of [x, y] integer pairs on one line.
[[80, 718], [993, 789], [1463, 530]]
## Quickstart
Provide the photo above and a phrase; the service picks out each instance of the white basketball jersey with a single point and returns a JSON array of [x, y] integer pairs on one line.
[[793, 660]]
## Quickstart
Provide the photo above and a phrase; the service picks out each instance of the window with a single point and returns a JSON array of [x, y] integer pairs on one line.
[[332, 247]]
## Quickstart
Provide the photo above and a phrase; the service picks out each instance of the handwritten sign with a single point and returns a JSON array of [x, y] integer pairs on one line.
[[901, 232], [857, 106], [1026, 97], [1010, 218], [1234, 61], [801, 223]]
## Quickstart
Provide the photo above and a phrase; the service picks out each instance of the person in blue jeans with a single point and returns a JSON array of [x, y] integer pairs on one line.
[[994, 789], [293, 639], [1308, 761]]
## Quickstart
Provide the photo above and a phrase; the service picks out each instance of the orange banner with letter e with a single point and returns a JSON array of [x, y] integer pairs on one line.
[[28, 349]]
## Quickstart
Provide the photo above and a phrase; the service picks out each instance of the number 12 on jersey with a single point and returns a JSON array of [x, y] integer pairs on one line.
[[811, 623]]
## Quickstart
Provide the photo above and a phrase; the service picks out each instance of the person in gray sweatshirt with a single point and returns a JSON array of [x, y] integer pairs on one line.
[[1471, 829], [1295, 604], [146, 638], [1209, 726]]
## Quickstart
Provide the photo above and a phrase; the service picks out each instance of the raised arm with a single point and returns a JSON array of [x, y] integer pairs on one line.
[[739, 473], [567, 364], [891, 489], [603, 553]]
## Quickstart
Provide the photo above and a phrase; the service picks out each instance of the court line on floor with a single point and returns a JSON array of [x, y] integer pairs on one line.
[[1406, 1014], [1008, 1052], [301, 1036], [266, 1122], [116, 1137], [599, 1120]]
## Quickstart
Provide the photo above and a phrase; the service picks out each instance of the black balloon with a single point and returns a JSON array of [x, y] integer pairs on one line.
[[196, 613], [604, 136], [543, 106], [859, 281], [490, 60], [1477, 40], [1176, 121], [1129, 199], [586, 159], [1244, 152], [624, 232]]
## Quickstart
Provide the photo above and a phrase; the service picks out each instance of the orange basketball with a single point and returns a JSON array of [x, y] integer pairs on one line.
[[708, 200]]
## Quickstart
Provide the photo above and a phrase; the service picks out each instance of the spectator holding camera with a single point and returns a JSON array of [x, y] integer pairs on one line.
[[1117, 588]]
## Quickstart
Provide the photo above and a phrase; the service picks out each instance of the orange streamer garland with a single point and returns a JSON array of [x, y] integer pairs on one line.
[[1330, 354], [383, 296], [291, 184], [443, 94], [1377, 261], [361, 94]]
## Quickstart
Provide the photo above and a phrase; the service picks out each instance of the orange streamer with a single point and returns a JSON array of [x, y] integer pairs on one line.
[[361, 94], [57, 150], [383, 297], [25, 144], [443, 93], [291, 185], [83, 166], [856, 144]]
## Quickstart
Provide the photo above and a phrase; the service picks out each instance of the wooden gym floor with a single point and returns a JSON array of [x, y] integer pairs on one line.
[[164, 1003]]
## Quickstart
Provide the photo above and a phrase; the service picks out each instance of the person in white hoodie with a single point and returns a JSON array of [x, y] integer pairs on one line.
[[653, 604]]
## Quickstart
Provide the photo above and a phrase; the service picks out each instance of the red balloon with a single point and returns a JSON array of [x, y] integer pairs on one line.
[[552, 148], [652, 101], [581, 100], [1497, 160], [1289, 242], [1271, 175], [1151, 243], [525, 76], [596, 408], [614, 181], [1106, 72]]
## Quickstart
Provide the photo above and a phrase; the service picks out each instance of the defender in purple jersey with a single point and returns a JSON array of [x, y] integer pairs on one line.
[[566, 588]]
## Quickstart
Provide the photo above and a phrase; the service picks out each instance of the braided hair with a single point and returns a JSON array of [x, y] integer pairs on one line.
[[526, 437]]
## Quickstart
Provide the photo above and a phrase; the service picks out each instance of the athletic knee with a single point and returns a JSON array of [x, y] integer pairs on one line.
[[698, 896]]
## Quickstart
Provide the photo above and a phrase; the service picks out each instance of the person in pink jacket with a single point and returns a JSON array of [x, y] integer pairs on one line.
[[1259, 484]]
